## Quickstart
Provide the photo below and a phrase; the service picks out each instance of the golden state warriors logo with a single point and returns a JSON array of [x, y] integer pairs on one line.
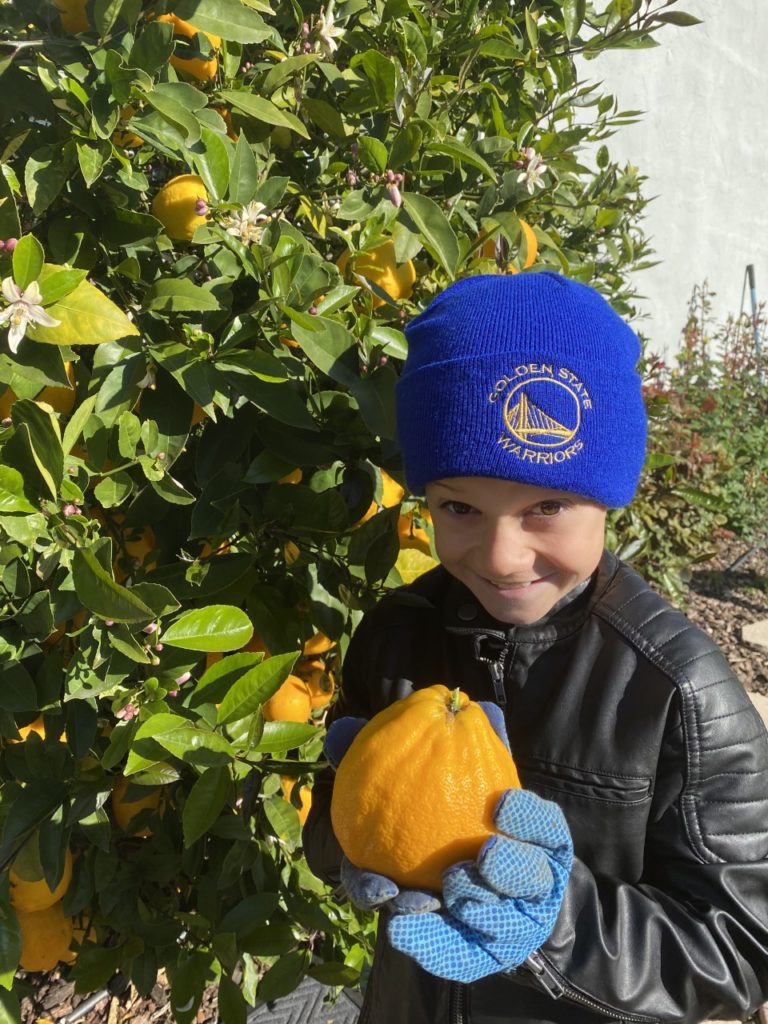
[[542, 408]]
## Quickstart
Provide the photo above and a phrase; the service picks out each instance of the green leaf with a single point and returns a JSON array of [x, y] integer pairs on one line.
[[244, 176], [28, 259], [325, 116], [373, 154], [279, 736], [212, 162], [34, 805], [284, 976], [114, 489], [10, 946], [106, 13], [205, 801], [256, 687], [229, 19], [232, 1006], [172, 491], [59, 283], [179, 295], [91, 159], [42, 431], [574, 12], [463, 155], [434, 228], [87, 317], [262, 109], [218, 627], [335, 974], [45, 174], [286, 69], [76, 423], [330, 346], [405, 146], [182, 738], [677, 18], [12, 492], [9, 214], [175, 113], [98, 591]]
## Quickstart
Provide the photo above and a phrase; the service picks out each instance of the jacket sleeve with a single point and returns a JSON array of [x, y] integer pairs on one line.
[[690, 941]]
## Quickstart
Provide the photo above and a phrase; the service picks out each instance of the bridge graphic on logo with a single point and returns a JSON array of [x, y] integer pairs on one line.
[[529, 423]]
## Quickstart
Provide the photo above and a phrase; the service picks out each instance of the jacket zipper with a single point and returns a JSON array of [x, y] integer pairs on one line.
[[553, 986], [496, 666], [458, 1004]]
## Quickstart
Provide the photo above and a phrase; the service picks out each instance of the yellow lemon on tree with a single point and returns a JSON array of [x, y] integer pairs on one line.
[[380, 266], [317, 644], [38, 726], [33, 893], [305, 796], [72, 15], [201, 69], [125, 809], [392, 493], [61, 399], [45, 937], [123, 138], [175, 206], [412, 536], [416, 791], [291, 703], [319, 680]]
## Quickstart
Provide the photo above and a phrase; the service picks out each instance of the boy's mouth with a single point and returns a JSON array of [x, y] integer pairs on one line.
[[513, 586]]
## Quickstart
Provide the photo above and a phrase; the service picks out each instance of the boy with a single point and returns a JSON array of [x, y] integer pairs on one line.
[[645, 896]]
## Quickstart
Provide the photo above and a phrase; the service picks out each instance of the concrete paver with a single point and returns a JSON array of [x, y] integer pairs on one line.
[[756, 633]]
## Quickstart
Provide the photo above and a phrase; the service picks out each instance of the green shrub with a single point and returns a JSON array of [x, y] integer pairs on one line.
[[706, 477]]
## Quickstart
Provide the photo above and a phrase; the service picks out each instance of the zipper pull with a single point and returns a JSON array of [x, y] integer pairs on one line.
[[536, 964], [496, 668]]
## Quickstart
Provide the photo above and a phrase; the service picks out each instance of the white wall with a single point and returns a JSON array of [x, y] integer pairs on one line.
[[703, 144]]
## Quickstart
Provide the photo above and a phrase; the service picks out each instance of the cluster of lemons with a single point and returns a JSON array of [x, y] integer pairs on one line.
[[48, 934]]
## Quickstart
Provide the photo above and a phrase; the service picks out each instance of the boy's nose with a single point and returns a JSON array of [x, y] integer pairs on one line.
[[505, 551]]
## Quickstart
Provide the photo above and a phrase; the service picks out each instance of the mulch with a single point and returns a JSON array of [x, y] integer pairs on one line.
[[719, 600]]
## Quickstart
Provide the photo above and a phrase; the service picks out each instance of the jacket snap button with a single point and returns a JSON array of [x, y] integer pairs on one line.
[[467, 612]]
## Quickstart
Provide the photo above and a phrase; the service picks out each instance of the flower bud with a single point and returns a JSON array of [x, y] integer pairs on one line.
[[394, 195], [70, 509], [10, 244]]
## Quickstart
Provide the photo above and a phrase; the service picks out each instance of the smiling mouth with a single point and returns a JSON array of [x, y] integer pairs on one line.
[[515, 585]]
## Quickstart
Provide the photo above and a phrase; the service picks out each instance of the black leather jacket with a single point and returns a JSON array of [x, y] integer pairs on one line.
[[628, 716]]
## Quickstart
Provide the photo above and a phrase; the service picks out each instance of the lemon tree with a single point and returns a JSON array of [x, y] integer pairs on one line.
[[215, 217]]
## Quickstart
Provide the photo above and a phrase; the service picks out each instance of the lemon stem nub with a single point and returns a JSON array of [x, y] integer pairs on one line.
[[454, 705]]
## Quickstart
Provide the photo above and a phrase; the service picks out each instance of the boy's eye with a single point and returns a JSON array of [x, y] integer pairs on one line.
[[458, 508], [550, 508]]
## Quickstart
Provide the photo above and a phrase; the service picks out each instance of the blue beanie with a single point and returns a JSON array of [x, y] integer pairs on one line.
[[527, 377]]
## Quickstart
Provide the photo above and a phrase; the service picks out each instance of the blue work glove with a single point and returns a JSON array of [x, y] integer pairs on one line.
[[501, 907], [369, 890]]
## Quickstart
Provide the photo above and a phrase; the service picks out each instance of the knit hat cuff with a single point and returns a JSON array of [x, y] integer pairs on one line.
[[577, 426]]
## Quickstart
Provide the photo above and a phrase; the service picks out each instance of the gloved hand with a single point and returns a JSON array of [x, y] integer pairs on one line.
[[369, 890], [500, 908]]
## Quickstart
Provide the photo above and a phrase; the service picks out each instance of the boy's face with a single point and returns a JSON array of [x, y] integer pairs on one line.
[[518, 548]]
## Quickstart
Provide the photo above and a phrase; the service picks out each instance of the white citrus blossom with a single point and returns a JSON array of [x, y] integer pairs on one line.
[[247, 223], [24, 307], [534, 169], [326, 32]]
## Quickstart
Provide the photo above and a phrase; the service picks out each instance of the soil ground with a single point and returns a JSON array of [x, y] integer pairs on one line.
[[719, 601]]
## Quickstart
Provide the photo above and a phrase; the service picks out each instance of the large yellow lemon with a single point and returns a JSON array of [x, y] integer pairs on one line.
[[202, 70], [175, 206], [380, 266]]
